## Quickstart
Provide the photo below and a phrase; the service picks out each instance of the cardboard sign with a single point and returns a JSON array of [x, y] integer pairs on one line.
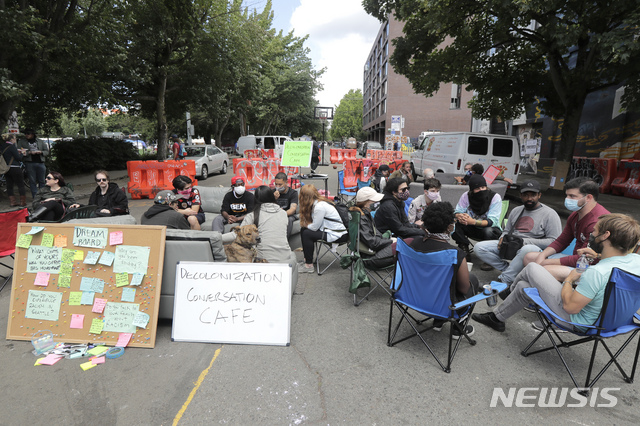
[[491, 174], [297, 153], [559, 174], [247, 303]]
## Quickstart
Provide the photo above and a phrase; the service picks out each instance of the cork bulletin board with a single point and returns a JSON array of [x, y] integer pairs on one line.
[[87, 283]]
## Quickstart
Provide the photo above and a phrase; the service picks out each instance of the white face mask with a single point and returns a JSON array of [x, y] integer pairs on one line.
[[239, 190]]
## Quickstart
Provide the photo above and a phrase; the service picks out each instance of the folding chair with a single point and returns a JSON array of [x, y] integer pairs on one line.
[[345, 193], [618, 316], [9, 224], [422, 283], [381, 277], [83, 212], [333, 249]]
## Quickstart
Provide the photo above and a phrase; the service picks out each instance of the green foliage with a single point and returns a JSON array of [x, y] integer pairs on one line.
[[509, 52], [87, 155], [347, 119], [94, 123], [69, 125]]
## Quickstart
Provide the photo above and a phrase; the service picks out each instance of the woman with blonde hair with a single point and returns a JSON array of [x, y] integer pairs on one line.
[[319, 220]]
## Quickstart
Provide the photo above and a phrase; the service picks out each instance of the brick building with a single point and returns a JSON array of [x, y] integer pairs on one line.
[[386, 93]]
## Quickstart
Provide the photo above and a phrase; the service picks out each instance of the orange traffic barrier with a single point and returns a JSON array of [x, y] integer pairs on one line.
[[602, 170], [258, 171], [381, 154], [260, 153], [337, 156], [627, 182], [147, 178]]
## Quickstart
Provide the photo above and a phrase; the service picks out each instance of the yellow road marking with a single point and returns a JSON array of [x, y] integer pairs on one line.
[[195, 388]]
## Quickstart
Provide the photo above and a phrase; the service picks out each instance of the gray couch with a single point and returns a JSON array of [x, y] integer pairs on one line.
[[452, 193]]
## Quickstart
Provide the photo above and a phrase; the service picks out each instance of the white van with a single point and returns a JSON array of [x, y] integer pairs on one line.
[[449, 152], [264, 142]]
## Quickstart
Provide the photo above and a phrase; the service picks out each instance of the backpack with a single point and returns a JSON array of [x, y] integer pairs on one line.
[[182, 152], [343, 211], [4, 167]]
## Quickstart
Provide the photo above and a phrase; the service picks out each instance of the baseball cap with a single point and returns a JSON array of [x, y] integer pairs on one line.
[[165, 197], [384, 168], [29, 132], [476, 181], [367, 193], [235, 179], [174, 135], [530, 186]]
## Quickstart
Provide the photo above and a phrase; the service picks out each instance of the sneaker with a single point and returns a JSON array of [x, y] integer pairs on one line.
[[437, 324], [304, 269], [490, 320], [538, 326], [486, 267], [469, 330]]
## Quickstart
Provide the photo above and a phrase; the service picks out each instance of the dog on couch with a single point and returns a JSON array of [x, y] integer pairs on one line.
[[243, 248]]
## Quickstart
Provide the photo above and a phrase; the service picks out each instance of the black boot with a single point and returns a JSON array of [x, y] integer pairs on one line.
[[37, 213]]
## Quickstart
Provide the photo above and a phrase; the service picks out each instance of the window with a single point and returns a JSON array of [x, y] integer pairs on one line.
[[502, 147], [478, 145], [386, 30], [386, 50], [384, 106], [269, 143], [211, 150], [456, 93], [386, 68]]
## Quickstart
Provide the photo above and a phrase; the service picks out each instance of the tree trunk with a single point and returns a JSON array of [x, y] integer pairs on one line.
[[570, 127], [161, 117], [6, 109]]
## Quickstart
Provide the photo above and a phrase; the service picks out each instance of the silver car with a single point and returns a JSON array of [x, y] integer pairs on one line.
[[208, 158]]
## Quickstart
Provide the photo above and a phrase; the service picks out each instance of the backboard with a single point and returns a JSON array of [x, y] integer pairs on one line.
[[323, 113]]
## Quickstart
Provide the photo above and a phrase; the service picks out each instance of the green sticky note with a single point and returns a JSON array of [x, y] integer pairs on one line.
[[64, 281], [96, 328], [47, 240], [122, 279], [68, 255], [66, 269], [75, 297], [297, 153], [24, 241], [98, 350]]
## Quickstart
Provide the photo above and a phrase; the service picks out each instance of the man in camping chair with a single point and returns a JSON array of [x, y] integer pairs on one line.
[[579, 298]]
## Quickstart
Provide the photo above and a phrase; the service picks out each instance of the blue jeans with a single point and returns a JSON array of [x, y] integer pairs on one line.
[[36, 172], [487, 251]]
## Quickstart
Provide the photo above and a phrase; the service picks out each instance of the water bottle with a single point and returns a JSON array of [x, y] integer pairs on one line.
[[582, 264]]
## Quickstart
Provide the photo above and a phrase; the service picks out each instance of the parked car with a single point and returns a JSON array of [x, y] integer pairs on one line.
[[208, 159], [369, 145], [352, 143]]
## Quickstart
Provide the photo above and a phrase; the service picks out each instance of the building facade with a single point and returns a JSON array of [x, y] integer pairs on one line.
[[386, 94]]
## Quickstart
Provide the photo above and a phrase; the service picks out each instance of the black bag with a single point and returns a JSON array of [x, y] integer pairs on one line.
[[510, 246], [343, 211]]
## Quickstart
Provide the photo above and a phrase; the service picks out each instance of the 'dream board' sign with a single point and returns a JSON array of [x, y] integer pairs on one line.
[[245, 303]]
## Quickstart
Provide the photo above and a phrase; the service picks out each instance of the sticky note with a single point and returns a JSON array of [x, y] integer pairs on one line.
[[98, 360], [128, 295], [92, 257], [98, 350], [96, 326], [68, 255], [74, 298], [38, 361], [42, 279], [60, 240], [115, 238], [64, 281], [47, 240], [123, 339], [50, 359], [79, 255], [77, 321], [107, 258], [35, 229], [141, 319], [24, 241], [122, 279], [87, 298], [66, 269], [136, 279], [87, 365], [98, 305]]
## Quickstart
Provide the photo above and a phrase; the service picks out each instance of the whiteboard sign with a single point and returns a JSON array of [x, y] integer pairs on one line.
[[245, 303]]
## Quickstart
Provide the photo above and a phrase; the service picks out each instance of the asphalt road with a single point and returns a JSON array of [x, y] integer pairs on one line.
[[337, 370]]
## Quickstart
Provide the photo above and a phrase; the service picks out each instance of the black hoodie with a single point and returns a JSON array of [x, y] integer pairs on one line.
[[391, 216], [113, 200], [162, 214]]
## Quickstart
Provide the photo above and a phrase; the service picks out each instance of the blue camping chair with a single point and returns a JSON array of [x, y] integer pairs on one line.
[[431, 297], [618, 316], [344, 194]]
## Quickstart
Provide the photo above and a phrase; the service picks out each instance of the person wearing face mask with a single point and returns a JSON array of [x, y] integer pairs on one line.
[[378, 250], [478, 214], [235, 205], [109, 198], [467, 173], [391, 216], [431, 195], [537, 224], [580, 296], [189, 201], [286, 198], [582, 200], [439, 222]]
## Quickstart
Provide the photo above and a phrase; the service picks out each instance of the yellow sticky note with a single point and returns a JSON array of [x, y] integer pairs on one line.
[[60, 241], [47, 240], [122, 279], [96, 326], [24, 241], [66, 269], [79, 255], [87, 365], [74, 298], [98, 350], [38, 361], [64, 281], [68, 255]]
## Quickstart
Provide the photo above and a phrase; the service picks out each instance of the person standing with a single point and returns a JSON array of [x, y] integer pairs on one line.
[[175, 148], [13, 158], [37, 150]]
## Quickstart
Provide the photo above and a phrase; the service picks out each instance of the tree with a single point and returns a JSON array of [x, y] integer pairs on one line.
[[509, 52], [93, 122], [347, 119]]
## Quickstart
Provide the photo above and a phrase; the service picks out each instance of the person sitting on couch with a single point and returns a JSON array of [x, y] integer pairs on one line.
[[109, 198], [165, 212], [189, 201], [235, 205]]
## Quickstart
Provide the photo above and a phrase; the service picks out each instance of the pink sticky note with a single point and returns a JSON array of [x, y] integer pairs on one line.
[[98, 305], [42, 279], [51, 359], [77, 321], [115, 238], [123, 339], [97, 360]]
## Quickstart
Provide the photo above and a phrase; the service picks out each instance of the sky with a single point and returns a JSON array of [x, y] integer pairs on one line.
[[340, 33]]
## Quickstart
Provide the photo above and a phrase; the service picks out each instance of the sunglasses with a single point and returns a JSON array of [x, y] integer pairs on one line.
[[404, 189], [102, 180], [49, 178]]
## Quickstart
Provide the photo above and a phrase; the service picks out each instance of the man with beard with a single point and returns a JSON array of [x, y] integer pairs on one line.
[[478, 214], [537, 224]]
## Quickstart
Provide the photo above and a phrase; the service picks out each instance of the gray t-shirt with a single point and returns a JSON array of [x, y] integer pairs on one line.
[[538, 227]]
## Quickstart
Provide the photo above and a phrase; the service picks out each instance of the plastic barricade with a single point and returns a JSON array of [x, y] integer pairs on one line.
[[260, 153], [627, 179], [601, 170], [350, 168], [381, 154], [258, 171], [337, 156], [147, 178]]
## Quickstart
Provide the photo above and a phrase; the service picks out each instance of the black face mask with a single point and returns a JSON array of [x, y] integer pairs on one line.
[[374, 206], [595, 245], [530, 205]]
